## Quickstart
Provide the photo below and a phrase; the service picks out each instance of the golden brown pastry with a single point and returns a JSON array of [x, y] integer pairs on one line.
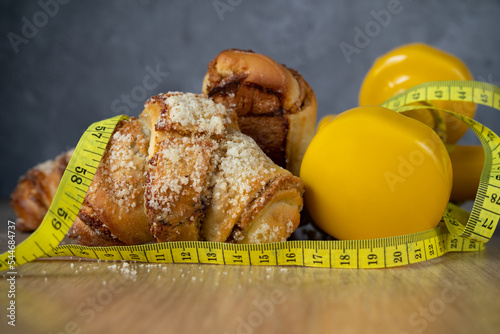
[[253, 199], [207, 181], [183, 171], [34, 192], [113, 210], [185, 133], [274, 104]]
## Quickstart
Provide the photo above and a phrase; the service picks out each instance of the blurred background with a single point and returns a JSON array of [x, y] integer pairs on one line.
[[65, 64]]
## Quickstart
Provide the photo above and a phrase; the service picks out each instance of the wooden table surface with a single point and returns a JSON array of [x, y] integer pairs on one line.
[[456, 293]]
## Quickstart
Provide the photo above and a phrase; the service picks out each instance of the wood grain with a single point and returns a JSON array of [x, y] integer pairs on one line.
[[457, 293]]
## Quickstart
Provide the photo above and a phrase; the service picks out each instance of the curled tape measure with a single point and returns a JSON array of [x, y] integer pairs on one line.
[[458, 230]]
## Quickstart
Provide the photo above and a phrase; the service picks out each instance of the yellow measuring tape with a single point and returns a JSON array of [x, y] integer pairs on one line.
[[457, 231]]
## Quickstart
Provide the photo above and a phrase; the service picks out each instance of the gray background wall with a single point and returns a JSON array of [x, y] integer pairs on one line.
[[74, 69]]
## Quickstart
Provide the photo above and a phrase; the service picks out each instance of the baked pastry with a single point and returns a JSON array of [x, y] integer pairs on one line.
[[274, 104], [253, 199], [184, 171], [207, 181], [34, 191], [185, 134], [113, 210]]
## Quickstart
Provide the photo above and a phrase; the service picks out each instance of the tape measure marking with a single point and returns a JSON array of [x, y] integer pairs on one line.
[[374, 253], [458, 231], [68, 198], [484, 215]]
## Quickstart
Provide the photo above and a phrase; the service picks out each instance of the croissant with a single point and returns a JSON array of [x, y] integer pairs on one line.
[[181, 171], [34, 191], [274, 104]]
